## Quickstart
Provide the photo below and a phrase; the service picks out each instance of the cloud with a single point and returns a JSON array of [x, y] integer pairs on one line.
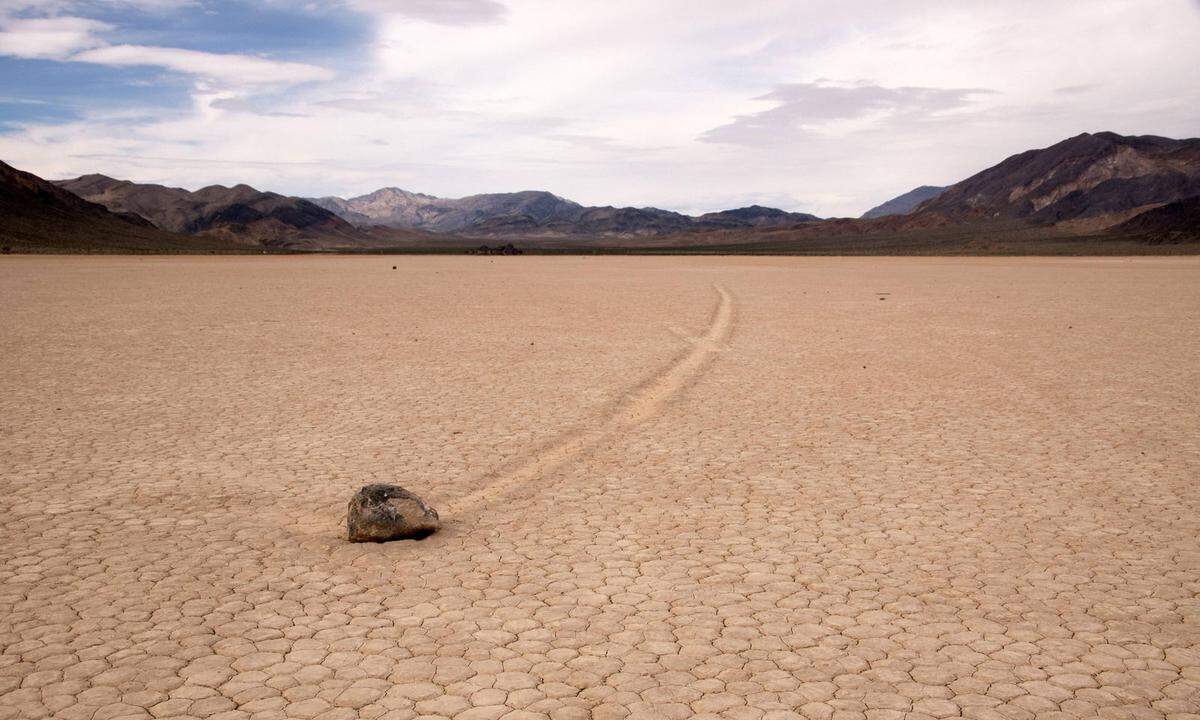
[[591, 142], [440, 12], [685, 104], [70, 38], [367, 104], [801, 107], [1075, 89], [54, 38], [254, 106], [222, 68], [60, 7], [397, 99], [154, 5], [192, 160]]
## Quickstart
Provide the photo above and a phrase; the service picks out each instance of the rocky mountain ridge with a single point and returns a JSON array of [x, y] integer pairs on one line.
[[239, 214], [536, 213], [1094, 180], [36, 215]]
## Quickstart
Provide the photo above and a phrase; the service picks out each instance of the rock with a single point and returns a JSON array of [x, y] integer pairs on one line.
[[378, 513]]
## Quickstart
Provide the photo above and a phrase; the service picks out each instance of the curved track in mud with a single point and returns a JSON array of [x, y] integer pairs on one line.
[[641, 405]]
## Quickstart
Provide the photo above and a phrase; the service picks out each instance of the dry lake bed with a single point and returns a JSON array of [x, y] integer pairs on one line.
[[670, 487]]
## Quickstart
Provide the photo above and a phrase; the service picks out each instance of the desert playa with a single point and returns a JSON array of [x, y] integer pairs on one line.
[[745, 488]]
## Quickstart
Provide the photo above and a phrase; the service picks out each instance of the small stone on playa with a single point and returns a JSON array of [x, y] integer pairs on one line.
[[379, 512]]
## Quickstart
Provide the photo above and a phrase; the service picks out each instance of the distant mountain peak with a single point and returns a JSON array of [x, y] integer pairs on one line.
[[904, 204], [392, 192], [538, 212], [398, 208]]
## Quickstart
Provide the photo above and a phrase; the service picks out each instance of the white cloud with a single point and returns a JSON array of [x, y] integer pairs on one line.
[[53, 7], [53, 38], [152, 5], [441, 12], [824, 106], [223, 68], [79, 39], [803, 108]]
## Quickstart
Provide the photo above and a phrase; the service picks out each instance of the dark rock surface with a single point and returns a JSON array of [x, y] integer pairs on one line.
[[378, 513], [1174, 222], [239, 213], [1089, 175], [37, 215]]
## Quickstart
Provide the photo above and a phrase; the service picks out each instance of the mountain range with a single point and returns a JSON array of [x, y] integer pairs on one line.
[[1099, 192], [536, 213], [239, 214], [38, 215], [1092, 193], [393, 207]]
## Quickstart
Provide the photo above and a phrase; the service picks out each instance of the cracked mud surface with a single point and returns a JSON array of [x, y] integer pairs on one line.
[[670, 487]]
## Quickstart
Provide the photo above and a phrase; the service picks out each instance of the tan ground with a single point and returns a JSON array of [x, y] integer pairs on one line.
[[672, 487]]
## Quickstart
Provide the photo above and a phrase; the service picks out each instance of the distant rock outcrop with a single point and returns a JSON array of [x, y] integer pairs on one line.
[[904, 204], [508, 249]]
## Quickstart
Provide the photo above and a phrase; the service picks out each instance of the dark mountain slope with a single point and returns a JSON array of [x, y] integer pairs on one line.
[[1104, 178], [1101, 193], [754, 216], [1178, 221], [239, 214], [35, 215]]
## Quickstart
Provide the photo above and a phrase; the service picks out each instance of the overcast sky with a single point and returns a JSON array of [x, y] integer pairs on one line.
[[692, 105]]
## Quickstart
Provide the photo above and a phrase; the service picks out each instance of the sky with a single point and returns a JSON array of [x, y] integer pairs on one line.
[[828, 107]]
